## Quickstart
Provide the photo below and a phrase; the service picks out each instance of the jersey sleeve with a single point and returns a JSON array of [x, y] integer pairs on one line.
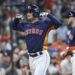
[[17, 26], [73, 31], [53, 21]]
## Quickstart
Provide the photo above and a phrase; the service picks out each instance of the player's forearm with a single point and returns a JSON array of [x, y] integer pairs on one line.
[[54, 20]]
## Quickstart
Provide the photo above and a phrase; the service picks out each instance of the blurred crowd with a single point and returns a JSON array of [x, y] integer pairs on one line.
[[57, 39]]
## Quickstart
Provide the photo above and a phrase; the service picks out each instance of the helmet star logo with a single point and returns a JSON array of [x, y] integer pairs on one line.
[[71, 14]]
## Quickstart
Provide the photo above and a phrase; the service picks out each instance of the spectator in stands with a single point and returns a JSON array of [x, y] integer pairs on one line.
[[48, 5], [65, 7], [59, 45], [15, 59], [2, 70], [41, 3], [3, 48], [55, 54], [53, 68], [6, 63], [22, 66], [51, 37], [23, 48], [62, 32], [16, 50]]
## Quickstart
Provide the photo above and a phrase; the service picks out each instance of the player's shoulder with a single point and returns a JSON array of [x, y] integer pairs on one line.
[[73, 28]]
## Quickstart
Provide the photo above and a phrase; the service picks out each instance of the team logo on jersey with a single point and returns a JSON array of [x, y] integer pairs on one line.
[[33, 31]]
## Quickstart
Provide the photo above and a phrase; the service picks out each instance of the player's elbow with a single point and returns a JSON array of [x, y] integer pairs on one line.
[[58, 25]]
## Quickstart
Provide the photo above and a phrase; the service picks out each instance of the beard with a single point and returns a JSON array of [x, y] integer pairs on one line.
[[70, 25]]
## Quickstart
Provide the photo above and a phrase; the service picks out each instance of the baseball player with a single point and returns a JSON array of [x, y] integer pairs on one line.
[[71, 21], [36, 32]]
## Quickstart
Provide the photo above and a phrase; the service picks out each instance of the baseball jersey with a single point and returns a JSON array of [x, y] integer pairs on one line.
[[36, 34], [72, 37]]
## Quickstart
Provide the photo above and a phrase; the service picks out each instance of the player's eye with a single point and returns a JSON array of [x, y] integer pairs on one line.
[[29, 11]]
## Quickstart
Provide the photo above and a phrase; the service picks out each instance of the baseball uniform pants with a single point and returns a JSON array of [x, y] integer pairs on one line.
[[40, 63]]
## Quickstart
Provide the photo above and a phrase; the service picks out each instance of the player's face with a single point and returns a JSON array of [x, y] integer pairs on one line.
[[29, 15]]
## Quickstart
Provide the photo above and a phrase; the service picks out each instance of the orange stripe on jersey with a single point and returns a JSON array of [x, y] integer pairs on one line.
[[45, 47], [71, 48]]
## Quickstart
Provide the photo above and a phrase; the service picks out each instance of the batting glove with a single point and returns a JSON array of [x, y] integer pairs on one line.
[[42, 14], [19, 16]]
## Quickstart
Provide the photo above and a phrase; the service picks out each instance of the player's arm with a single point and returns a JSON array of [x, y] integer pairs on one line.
[[51, 20], [54, 20], [16, 25]]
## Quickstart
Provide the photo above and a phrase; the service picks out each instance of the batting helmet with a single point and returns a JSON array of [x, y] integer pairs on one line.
[[33, 8], [70, 14]]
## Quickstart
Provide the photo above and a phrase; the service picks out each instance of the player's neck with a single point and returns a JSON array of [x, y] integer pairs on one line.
[[34, 20]]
